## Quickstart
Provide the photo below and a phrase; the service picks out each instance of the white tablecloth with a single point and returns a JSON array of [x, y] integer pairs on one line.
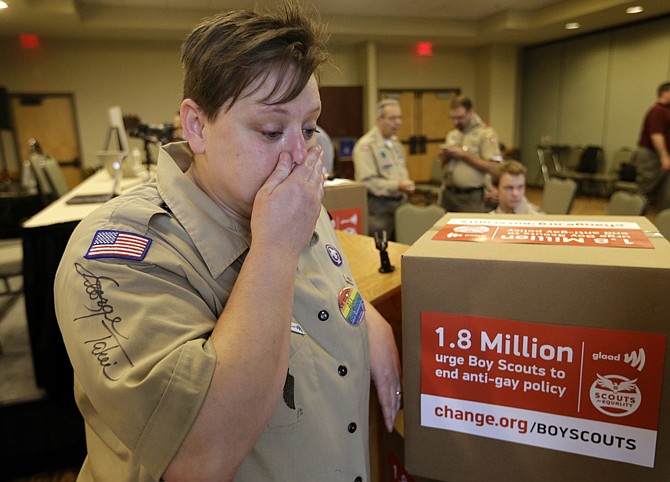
[[61, 212]]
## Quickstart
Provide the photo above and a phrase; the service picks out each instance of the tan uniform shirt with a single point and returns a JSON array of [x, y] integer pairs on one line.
[[139, 290], [379, 163], [478, 139]]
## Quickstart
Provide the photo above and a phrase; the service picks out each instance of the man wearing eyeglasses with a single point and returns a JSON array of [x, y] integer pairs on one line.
[[379, 163], [469, 155]]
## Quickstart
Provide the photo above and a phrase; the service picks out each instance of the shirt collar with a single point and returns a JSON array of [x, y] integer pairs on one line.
[[217, 237]]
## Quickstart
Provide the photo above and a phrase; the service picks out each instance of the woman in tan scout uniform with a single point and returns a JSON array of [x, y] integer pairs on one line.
[[214, 326]]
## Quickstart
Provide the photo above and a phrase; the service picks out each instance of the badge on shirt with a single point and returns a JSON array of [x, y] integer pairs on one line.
[[334, 254], [118, 244], [351, 305]]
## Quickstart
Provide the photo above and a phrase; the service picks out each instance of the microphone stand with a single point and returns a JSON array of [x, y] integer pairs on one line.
[[381, 242], [147, 154]]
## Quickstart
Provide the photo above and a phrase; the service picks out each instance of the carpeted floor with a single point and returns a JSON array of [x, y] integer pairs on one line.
[[41, 438], [17, 382]]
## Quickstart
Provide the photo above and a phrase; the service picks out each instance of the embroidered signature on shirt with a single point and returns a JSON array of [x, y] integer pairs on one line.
[[107, 349]]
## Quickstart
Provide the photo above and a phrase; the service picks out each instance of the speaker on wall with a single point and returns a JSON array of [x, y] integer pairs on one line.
[[5, 118]]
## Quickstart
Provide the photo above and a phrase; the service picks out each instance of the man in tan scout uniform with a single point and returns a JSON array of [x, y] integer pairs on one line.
[[469, 155], [379, 163]]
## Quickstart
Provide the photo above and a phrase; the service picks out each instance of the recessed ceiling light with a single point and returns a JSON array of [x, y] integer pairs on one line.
[[3, 5], [572, 25], [635, 9]]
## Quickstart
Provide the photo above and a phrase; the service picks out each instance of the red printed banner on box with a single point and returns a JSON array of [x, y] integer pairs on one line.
[[591, 391], [536, 231], [348, 220]]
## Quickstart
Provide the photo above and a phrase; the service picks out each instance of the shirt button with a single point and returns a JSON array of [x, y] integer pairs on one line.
[[342, 370], [323, 315], [352, 427]]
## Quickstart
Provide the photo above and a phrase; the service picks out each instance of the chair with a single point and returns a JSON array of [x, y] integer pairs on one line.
[[544, 154], [49, 175], [662, 222], [587, 173], [558, 195], [55, 176], [432, 190], [412, 220], [46, 192], [11, 265], [626, 203], [51, 182], [626, 179]]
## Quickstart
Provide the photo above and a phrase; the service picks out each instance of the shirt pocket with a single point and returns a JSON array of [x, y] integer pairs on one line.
[[301, 381]]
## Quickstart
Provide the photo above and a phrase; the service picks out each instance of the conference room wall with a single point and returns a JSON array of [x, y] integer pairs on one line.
[[489, 75], [592, 90], [497, 90], [142, 77], [613, 74], [400, 68]]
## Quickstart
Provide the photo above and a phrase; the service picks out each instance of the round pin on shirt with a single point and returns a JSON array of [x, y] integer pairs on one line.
[[351, 305]]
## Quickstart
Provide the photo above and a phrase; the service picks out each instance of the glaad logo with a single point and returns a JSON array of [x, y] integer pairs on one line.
[[636, 359], [615, 395]]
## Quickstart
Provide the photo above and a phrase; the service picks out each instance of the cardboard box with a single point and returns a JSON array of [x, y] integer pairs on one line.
[[347, 203], [394, 457], [534, 348]]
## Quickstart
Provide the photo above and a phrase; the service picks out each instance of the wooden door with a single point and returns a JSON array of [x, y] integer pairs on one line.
[[49, 118], [424, 127]]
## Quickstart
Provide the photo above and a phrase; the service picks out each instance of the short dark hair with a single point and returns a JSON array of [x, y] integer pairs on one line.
[[664, 87], [511, 167], [229, 52], [461, 101]]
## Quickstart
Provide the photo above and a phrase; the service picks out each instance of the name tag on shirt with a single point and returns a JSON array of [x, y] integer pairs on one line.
[[296, 328]]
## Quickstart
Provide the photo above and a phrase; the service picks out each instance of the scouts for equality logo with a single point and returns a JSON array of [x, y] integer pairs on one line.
[[616, 395]]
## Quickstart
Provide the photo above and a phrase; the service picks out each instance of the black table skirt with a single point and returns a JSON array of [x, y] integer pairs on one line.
[[16, 207], [43, 248]]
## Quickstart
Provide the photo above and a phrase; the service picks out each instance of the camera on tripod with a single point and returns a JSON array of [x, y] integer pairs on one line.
[[156, 133]]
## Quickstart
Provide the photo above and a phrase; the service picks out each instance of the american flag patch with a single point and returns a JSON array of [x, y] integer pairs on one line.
[[117, 244]]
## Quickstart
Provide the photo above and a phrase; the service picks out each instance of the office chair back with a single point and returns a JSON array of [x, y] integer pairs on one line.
[[558, 195], [572, 158], [662, 222], [432, 189], [55, 176], [591, 160], [11, 260], [11, 266], [436, 173], [411, 221], [622, 155], [44, 188], [626, 203]]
